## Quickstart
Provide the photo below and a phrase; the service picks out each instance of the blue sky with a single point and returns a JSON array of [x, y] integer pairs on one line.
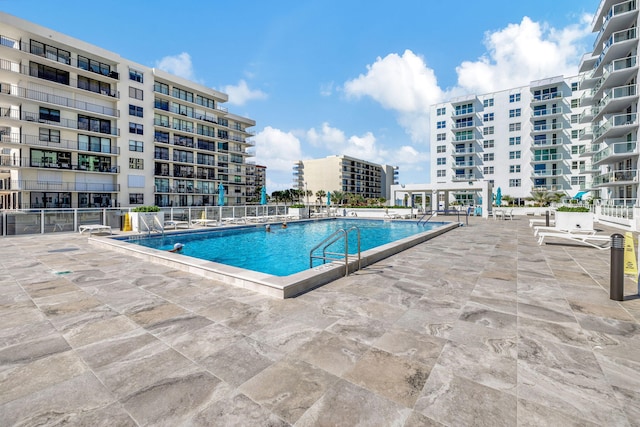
[[331, 77]]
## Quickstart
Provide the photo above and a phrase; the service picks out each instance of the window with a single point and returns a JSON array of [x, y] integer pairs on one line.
[[136, 146], [95, 143], [516, 112], [50, 135], [577, 149], [440, 173], [577, 165], [441, 149], [49, 115], [136, 93], [575, 134], [50, 52], [487, 117], [441, 137], [441, 111], [465, 135], [514, 168], [161, 153], [136, 128], [515, 127], [514, 154], [136, 163], [515, 182], [159, 136], [578, 180], [49, 73], [514, 140], [94, 85], [135, 111], [487, 170], [575, 118], [94, 124], [182, 94], [488, 143], [441, 161], [136, 198], [464, 109], [136, 76], [575, 103], [574, 86], [487, 103], [441, 124], [85, 63], [488, 130], [205, 102], [488, 157], [514, 97]]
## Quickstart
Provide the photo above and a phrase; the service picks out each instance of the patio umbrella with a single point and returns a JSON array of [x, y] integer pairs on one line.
[[328, 198], [499, 197], [263, 196], [220, 195]]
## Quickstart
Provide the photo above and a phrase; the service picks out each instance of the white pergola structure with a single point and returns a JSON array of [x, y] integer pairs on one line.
[[435, 190]]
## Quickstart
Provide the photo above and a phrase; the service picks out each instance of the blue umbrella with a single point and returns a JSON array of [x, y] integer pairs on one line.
[[499, 197], [220, 195], [328, 198], [263, 196]]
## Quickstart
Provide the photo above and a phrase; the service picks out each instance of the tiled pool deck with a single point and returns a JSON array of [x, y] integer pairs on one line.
[[480, 326]]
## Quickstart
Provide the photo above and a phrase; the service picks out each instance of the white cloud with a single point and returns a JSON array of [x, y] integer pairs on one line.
[[326, 89], [241, 93], [179, 65], [515, 56], [326, 136], [277, 150], [523, 52]]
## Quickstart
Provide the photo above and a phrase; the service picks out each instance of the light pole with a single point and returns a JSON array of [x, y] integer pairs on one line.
[[306, 193]]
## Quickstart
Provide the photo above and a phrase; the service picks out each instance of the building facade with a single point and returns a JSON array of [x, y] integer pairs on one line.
[[346, 174], [83, 127], [610, 78], [576, 136], [522, 140]]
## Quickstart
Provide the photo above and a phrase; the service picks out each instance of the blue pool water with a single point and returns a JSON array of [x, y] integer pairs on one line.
[[282, 252]]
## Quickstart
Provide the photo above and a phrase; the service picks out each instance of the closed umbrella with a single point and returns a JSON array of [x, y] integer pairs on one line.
[[220, 195], [263, 196], [328, 198], [498, 197]]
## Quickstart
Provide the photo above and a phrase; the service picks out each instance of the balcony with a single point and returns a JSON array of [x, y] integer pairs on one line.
[[552, 187], [619, 177], [545, 173], [544, 97], [29, 116], [548, 142], [462, 151], [586, 133], [589, 169], [547, 127], [464, 164], [615, 152], [27, 185], [37, 141], [460, 112], [49, 98], [615, 126], [547, 112], [615, 73], [616, 99], [64, 164], [620, 16], [544, 158], [616, 45]]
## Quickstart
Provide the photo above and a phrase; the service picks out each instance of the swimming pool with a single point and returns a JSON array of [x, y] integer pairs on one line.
[[265, 283], [282, 252]]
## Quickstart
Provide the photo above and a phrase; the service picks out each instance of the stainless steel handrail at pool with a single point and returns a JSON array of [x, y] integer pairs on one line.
[[331, 239]]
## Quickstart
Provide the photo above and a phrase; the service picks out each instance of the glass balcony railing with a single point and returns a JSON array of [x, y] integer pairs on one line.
[[615, 11], [547, 157], [615, 121], [546, 96], [616, 93], [619, 37], [621, 177], [537, 143], [616, 149], [548, 112], [547, 127]]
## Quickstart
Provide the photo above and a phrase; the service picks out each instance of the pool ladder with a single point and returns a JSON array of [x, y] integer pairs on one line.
[[336, 256]]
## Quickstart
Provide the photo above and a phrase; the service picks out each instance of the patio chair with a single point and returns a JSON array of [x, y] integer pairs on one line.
[[600, 242]]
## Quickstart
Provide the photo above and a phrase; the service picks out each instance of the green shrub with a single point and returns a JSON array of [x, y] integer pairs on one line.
[[146, 209], [573, 209], [298, 205]]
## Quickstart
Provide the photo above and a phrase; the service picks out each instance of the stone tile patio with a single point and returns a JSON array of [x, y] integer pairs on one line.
[[480, 326]]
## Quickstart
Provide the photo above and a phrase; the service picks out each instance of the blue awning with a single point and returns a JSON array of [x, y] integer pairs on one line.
[[580, 194]]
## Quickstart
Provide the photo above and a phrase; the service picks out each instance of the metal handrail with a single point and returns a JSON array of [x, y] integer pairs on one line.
[[430, 213], [336, 256]]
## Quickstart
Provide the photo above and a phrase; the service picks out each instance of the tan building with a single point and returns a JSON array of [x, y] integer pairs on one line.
[[346, 174], [82, 127]]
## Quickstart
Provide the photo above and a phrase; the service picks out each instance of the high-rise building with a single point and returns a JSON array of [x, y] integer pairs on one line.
[[83, 127], [522, 140], [346, 174], [576, 135]]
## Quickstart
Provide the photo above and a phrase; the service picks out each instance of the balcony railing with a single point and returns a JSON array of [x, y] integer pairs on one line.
[[616, 10], [27, 162], [616, 149], [539, 143], [619, 37], [463, 111], [548, 112], [552, 187], [546, 172], [464, 177], [622, 177], [547, 157], [49, 98], [463, 125], [459, 151], [615, 121], [616, 93], [27, 185], [547, 127], [546, 96], [30, 116], [464, 164]]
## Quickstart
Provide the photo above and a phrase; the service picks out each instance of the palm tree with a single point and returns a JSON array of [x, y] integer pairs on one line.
[[544, 198], [319, 195], [337, 197]]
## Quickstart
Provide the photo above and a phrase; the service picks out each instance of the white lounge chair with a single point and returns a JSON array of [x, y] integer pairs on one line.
[[533, 222], [601, 242], [537, 230], [91, 228], [205, 222], [176, 224]]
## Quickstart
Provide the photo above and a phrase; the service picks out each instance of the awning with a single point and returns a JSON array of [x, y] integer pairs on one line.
[[579, 195]]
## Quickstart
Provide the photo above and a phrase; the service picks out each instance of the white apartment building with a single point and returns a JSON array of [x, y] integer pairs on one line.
[[346, 174], [575, 135], [522, 140], [83, 127], [610, 81]]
